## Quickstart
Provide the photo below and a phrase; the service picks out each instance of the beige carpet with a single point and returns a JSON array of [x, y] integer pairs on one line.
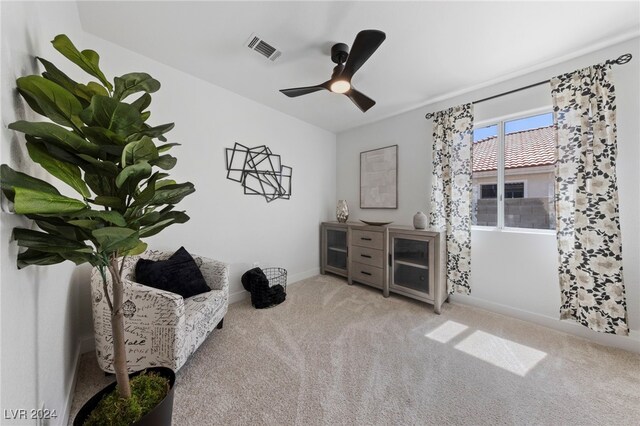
[[339, 354]]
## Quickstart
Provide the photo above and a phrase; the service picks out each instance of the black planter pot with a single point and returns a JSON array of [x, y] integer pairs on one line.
[[159, 416]]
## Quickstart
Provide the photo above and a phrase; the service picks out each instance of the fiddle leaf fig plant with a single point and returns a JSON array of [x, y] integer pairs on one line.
[[99, 144]]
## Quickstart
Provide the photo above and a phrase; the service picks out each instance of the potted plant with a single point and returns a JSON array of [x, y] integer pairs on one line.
[[97, 142]]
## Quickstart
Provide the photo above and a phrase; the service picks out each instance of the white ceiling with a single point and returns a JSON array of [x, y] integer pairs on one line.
[[432, 48]]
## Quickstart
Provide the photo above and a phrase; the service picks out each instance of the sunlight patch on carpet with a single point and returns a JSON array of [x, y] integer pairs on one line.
[[513, 357], [446, 331]]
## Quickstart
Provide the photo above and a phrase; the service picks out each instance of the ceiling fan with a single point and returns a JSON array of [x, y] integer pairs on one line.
[[364, 45]]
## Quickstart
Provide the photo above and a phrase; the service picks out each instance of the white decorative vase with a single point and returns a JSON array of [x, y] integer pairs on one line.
[[342, 211], [420, 220]]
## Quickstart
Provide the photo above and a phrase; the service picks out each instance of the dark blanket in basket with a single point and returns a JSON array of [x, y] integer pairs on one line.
[[262, 296]]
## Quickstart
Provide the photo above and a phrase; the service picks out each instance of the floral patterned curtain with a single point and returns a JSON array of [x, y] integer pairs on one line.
[[451, 191], [587, 222]]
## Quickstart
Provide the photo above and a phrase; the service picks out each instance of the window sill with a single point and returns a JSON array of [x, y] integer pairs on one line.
[[514, 230]]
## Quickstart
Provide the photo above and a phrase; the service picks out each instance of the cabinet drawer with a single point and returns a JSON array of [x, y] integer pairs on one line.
[[368, 256], [366, 274], [367, 239]]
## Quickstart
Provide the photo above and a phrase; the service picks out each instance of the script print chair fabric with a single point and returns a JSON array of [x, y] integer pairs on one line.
[[161, 328]]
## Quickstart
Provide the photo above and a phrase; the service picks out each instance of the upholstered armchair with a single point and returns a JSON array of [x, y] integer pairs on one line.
[[161, 328]]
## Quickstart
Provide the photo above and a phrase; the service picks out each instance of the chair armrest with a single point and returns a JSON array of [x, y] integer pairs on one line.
[[165, 302], [153, 301], [215, 273], [151, 316]]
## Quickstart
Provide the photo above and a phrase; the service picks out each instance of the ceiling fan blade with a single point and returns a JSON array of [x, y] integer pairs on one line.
[[366, 42], [361, 100], [299, 91]]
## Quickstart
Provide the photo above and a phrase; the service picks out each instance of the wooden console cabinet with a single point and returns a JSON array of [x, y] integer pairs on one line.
[[396, 259]]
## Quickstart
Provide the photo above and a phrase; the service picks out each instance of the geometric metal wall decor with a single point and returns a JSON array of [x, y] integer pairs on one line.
[[259, 171]]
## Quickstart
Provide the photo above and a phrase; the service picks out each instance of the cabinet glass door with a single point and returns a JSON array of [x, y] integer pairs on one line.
[[337, 249], [411, 266]]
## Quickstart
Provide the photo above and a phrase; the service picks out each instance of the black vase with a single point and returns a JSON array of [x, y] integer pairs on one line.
[[159, 416]]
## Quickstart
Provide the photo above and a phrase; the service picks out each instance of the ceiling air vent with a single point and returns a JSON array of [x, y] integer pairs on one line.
[[256, 43]]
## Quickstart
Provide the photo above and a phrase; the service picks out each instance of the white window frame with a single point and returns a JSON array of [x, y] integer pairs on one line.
[[499, 123]]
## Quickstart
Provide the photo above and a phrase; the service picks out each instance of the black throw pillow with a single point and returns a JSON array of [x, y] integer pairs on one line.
[[179, 274]]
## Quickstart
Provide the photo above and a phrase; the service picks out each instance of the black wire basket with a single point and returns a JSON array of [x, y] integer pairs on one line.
[[276, 276]]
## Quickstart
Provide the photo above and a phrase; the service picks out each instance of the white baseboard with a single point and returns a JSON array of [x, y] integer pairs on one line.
[[291, 279], [630, 343], [303, 275], [238, 296]]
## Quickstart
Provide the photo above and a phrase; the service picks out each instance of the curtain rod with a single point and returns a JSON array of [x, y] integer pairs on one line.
[[620, 61]]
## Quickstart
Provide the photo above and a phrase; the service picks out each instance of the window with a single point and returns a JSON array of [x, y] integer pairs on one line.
[[511, 190], [489, 191], [513, 173]]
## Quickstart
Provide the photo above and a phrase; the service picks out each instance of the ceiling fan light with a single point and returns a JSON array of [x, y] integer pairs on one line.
[[340, 86]]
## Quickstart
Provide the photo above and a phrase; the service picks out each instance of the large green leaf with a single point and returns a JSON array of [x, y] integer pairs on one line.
[[165, 182], [107, 168], [54, 101], [134, 174], [114, 238], [142, 102], [165, 162], [172, 194], [176, 217], [59, 226], [56, 152], [68, 173], [134, 82], [144, 196], [166, 220], [88, 60], [101, 184], [29, 201], [10, 179], [79, 257], [107, 216], [101, 136], [44, 242], [57, 135], [91, 89], [140, 248], [144, 149], [149, 218], [52, 73], [153, 132], [114, 202], [39, 258], [167, 147], [118, 117], [89, 224], [153, 229]]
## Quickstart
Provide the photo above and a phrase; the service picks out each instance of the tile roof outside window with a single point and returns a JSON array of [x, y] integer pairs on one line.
[[536, 147]]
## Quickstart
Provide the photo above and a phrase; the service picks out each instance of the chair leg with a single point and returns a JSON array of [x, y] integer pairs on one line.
[[219, 326]]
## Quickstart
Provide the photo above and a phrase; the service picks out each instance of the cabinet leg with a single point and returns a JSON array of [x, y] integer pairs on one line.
[[436, 309]]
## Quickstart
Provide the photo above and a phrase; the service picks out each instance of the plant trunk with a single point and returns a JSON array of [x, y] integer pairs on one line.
[[117, 331]]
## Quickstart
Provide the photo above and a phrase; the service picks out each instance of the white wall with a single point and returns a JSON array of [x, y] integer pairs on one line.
[[45, 310], [512, 272], [226, 224], [39, 306]]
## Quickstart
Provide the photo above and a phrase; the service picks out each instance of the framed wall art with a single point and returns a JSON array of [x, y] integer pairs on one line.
[[379, 178]]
